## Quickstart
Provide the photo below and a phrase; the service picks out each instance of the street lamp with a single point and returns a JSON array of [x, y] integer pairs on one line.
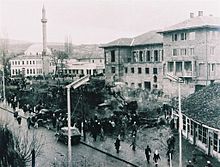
[[74, 85], [179, 81]]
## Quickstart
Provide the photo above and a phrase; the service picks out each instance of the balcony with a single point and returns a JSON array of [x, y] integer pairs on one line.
[[184, 74]]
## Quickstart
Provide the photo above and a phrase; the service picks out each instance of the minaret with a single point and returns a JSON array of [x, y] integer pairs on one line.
[[44, 29]]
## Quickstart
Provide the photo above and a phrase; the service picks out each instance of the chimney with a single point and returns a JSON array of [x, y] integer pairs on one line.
[[200, 13], [191, 15]]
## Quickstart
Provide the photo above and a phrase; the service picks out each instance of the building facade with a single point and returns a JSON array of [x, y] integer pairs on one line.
[[136, 61], [191, 51], [30, 63]]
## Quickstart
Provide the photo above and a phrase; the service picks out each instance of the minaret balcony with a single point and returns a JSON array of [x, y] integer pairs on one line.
[[44, 20]]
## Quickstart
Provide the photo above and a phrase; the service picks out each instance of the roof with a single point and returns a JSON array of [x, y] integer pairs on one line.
[[204, 106], [118, 42], [36, 49], [25, 57], [196, 22], [151, 37]]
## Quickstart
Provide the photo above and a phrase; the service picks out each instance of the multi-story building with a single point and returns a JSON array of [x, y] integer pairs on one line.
[[191, 51], [136, 61], [30, 63], [75, 67], [98, 61]]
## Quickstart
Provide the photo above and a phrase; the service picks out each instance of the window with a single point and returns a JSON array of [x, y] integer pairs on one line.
[[18, 62], [191, 127], [212, 50], [135, 58], [191, 51], [30, 71], [213, 68], [154, 70], [155, 78], [126, 70], [204, 135], [139, 85], [140, 56], [33, 62], [139, 70], [183, 51], [33, 71], [23, 62], [30, 62], [93, 61], [27, 71], [147, 71], [156, 55], [27, 62], [113, 70], [184, 122], [200, 132], [215, 142], [13, 71], [175, 53], [132, 69], [188, 126], [174, 37], [12, 62], [183, 36], [192, 36], [148, 55], [112, 56], [15, 62]]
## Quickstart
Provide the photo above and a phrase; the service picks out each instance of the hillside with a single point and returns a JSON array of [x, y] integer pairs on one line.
[[79, 51]]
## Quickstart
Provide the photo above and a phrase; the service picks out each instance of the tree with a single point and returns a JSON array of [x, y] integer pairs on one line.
[[58, 60], [15, 150]]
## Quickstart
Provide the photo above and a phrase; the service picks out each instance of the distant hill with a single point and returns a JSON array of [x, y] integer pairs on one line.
[[79, 51]]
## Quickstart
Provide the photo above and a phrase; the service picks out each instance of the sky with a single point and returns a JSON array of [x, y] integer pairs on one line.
[[95, 21]]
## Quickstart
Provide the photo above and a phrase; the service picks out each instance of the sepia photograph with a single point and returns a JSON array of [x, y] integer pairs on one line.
[[109, 83]]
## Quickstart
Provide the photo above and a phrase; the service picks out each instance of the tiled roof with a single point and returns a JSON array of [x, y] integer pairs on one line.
[[118, 42], [151, 37], [204, 106], [196, 22]]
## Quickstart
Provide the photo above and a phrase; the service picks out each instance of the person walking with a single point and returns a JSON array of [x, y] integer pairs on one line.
[[189, 164], [117, 144], [148, 154], [133, 144], [29, 122], [19, 120], [156, 157]]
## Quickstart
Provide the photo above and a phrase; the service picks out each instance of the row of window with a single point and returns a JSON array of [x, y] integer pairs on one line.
[[28, 71], [201, 132], [88, 71], [147, 56], [140, 70], [28, 62], [183, 51], [147, 85], [183, 36], [142, 56]]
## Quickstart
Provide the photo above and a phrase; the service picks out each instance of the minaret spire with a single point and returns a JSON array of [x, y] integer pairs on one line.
[[44, 23]]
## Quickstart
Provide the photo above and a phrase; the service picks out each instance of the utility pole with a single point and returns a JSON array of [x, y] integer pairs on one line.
[[179, 81]]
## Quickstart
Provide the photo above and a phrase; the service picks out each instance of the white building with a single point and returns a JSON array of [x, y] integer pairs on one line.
[[31, 63], [76, 67]]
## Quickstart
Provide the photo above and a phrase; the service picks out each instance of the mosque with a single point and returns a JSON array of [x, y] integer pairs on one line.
[[37, 60]]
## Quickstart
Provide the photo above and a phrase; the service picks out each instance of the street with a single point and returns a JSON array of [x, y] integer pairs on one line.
[[55, 153]]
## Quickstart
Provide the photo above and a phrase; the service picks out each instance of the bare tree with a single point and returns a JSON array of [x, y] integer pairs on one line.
[[15, 148]]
